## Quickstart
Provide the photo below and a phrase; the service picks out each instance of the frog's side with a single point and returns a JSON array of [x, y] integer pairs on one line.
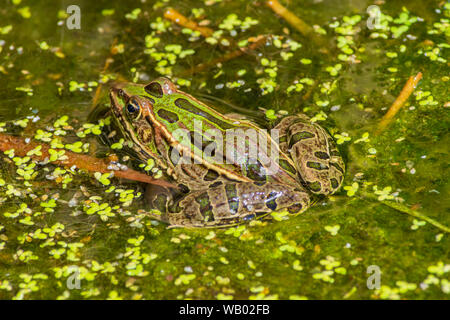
[[217, 192]]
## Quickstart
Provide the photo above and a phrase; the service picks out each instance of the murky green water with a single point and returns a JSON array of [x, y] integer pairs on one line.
[[49, 238]]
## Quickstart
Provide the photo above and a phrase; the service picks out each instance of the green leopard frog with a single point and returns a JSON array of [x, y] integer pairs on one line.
[[226, 173]]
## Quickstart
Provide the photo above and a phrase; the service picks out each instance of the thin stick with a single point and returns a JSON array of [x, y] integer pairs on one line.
[[404, 209], [108, 61], [409, 87], [21, 148], [291, 18], [298, 24], [174, 16], [257, 42], [416, 214]]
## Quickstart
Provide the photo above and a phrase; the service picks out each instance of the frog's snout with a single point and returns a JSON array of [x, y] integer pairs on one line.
[[116, 92]]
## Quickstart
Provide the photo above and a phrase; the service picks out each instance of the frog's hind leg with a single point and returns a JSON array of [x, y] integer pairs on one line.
[[317, 159], [283, 126], [234, 203]]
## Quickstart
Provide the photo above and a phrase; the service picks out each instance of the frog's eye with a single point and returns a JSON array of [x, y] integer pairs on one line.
[[133, 109], [154, 89]]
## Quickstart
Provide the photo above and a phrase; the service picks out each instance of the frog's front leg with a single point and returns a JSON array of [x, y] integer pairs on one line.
[[234, 203], [318, 161]]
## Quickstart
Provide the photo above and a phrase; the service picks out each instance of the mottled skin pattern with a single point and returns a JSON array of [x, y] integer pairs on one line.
[[318, 162], [250, 201], [219, 194]]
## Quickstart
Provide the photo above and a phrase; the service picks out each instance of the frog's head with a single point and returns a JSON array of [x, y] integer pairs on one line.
[[130, 102], [127, 102], [132, 106]]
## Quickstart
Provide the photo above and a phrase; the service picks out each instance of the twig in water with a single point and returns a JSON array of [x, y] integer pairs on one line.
[[256, 43], [81, 161], [300, 25], [416, 214], [291, 18], [108, 61], [409, 87], [174, 16], [404, 209]]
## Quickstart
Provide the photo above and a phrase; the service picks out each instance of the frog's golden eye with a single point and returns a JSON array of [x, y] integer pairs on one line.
[[133, 109]]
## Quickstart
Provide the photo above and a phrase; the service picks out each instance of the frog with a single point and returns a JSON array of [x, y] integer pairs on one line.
[[228, 169]]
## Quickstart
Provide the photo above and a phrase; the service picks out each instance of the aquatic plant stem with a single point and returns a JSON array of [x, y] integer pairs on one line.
[[404, 209], [174, 16], [407, 90], [416, 214], [81, 161], [256, 43], [291, 18], [108, 61], [301, 26]]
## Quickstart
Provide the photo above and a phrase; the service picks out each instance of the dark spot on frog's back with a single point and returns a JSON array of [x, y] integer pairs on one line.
[[188, 106], [182, 188], [211, 175], [203, 200], [256, 171], [334, 183], [271, 200], [216, 184], [168, 115], [232, 197], [286, 166], [300, 136], [154, 89], [205, 206], [322, 155], [337, 167], [316, 165], [314, 186]]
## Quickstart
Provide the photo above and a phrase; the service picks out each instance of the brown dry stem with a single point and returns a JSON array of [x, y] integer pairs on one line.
[[176, 17], [255, 44], [81, 161], [301, 26], [291, 18], [407, 90]]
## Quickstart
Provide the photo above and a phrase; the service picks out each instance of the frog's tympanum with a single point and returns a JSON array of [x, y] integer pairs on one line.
[[226, 173]]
